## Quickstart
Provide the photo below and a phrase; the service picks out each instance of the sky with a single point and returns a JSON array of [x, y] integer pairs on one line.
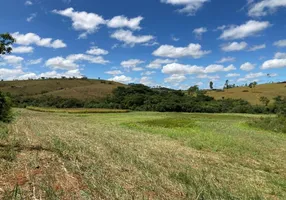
[[168, 43]]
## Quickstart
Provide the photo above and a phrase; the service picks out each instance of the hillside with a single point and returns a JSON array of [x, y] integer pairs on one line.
[[252, 94], [74, 88]]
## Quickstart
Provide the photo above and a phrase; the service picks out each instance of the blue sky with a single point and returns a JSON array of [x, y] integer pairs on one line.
[[173, 43]]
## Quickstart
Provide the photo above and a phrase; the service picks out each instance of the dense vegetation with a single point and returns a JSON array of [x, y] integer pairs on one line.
[[142, 98]]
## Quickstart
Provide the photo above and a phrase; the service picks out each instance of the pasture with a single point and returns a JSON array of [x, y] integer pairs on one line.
[[140, 155]]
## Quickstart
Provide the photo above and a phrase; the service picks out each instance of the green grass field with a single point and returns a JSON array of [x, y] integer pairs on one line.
[[140, 155]]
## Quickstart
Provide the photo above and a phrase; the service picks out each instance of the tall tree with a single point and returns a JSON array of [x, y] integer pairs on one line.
[[211, 85], [6, 40], [193, 90], [226, 84]]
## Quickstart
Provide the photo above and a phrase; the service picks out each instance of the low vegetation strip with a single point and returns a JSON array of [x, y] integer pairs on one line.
[[77, 110], [140, 155]]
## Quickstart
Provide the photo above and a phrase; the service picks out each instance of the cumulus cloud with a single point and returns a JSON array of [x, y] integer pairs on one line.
[[23, 49], [226, 59], [257, 47], [234, 46], [248, 29], [280, 55], [218, 68], [205, 76], [12, 60], [10, 74], [128, 38], [132, 64], [147, 73], [122, 21], [280, 43], [176, 68], [35, 62], [275, 63], [199, 32], [114, 72], [265, 7], [192, 50], [122, 79], [157, 64], [69, 63], [232, 75], [247, 66], [145, 80], [97, 51], [175, 78], [190, 7], [82, 21], [32, 38]]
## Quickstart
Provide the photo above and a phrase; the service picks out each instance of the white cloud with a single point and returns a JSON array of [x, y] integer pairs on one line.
[[32, 38], [82, 21], [175, 78], [69, 63], [192, 50], [97, 51], [275, 63], [257, 47], [176, 68], [234, 46], [28, 3], [61, 63], [255, 75], [204, 76], [226, 59], [128, 38], [265, 7], [121, 79], [10, 74], [280, 43], [189, 6], [247, 66], [23, 49], [32, 16], [280, 55], [35, 62], [145, 80], [200, 31], [232, 75], [132, 64], [122, 21], [157, 64], [248, 29], [175, 38], [147, 73], [89, 58], [218, 68], [114, 72], [12, 60]]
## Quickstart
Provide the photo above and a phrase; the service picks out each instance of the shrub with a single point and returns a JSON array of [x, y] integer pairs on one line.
[[276, 124], [5, 108], [245, 90]]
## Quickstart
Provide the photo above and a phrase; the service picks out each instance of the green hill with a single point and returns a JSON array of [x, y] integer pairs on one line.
[[66, 88], [252, 95]]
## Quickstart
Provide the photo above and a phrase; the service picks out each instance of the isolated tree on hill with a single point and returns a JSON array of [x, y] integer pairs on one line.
[[264, 100], [193, 90], [211, 85], [6, 40], [226, 84]]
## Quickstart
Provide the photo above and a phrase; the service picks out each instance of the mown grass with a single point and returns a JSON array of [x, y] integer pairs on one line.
[[77, 110], [142, 155]]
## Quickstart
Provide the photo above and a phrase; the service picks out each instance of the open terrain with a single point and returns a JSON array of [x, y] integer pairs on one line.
[[140, 155], [252, 95], [66, 88]]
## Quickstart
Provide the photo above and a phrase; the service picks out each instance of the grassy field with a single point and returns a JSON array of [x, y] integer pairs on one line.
[[77, 110], [65, 88], [252, 95], [140, 155]]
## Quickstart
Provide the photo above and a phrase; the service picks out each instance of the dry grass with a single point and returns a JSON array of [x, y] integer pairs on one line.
[[77, 110], [79, 89], [267, 90], [135, 156]]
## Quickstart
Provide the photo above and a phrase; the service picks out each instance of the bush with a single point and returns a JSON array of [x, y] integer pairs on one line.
[[5, 108]]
